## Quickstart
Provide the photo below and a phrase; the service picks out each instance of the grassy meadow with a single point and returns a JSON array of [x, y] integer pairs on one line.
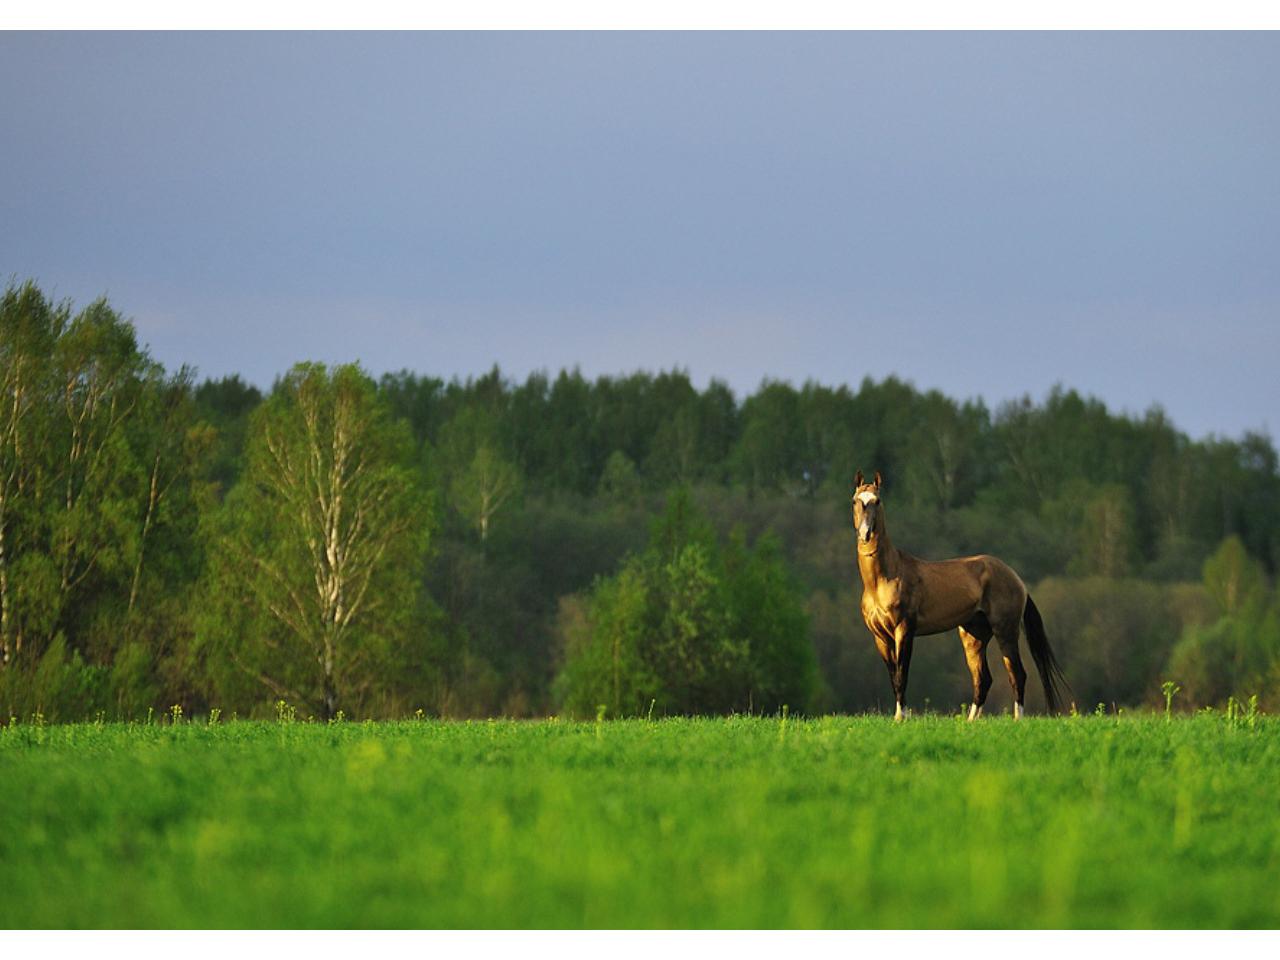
[[1129, 821]]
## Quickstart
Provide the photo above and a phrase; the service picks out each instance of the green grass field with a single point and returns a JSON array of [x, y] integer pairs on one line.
[[743, 822]]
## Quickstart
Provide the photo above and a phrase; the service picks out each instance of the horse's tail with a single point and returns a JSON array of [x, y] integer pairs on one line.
[[1046, 663]]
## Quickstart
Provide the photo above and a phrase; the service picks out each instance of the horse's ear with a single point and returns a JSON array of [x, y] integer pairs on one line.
[[857, 481], [878, 478]]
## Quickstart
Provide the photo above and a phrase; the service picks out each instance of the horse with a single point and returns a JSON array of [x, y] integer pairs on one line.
[[904, 597]]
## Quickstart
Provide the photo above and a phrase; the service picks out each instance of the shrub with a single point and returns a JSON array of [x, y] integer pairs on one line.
[[696, 626]]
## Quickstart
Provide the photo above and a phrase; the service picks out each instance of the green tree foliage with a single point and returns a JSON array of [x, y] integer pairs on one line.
[[620, 481], [771, 452], [226, 404], [481, 479], [947, 449], [318, 550], [766, 607], [1115, 635], [1101, 522], [689, 626], [1238, 653], [99, 454], [121, 484], [1234, 580]]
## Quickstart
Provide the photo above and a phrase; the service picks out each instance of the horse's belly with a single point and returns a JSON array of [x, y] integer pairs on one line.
[[951, 593], [941, 615]]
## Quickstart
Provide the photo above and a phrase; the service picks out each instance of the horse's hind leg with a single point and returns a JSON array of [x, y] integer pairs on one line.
[[1008, 640], [974, 635]]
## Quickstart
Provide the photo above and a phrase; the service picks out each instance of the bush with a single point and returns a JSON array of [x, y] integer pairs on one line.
[[1239, 653], [688, 626]]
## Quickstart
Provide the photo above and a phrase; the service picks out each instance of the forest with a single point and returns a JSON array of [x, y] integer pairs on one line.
[[341, 546]]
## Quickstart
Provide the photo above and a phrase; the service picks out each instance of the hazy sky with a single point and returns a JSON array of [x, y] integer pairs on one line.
[[987, 214]]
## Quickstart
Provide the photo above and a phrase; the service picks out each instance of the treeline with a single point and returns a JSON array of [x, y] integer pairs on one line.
[[629, 543]]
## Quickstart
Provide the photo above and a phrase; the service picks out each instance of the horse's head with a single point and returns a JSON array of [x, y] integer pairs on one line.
[[868, 517]]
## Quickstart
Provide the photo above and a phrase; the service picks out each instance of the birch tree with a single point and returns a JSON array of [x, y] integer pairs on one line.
[[174, 449], [71, 388], [90, 431], [485, 487], [29, 327], [99, 377], [482, 480], [944, 444], [324, 537]]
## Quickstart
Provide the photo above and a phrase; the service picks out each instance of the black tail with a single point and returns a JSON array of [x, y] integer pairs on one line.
[[1050, 673]]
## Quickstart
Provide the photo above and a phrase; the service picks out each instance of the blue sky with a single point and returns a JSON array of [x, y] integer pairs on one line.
[[987, 214]]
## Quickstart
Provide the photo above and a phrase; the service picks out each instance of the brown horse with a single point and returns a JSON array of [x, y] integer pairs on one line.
[[904, 596]]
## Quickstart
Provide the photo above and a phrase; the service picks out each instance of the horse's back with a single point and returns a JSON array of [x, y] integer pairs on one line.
[[955, 590]]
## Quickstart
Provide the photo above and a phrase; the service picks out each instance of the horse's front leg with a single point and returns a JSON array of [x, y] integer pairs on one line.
[[885, 647], [903, 637]]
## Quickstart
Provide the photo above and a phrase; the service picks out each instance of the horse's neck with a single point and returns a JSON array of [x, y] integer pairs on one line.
[[882, 564]]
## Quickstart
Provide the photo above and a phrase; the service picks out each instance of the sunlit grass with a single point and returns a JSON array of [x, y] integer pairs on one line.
[[740, 822]]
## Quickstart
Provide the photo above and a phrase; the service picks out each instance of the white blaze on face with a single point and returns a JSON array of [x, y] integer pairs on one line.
[[865, 528]]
